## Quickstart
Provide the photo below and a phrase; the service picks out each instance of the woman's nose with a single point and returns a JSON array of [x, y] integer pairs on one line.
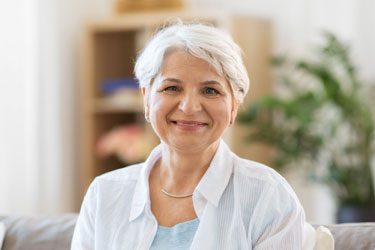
[[190, 104]]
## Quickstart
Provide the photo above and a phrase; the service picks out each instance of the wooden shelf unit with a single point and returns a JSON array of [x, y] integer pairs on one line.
[[109, 50]]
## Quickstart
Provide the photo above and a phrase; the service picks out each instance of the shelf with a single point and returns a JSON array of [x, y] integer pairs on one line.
[[103, 107], [117, 105]]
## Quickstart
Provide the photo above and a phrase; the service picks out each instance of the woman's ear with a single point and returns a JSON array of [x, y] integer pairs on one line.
[[145, 101], [234, 111], [144, 91]]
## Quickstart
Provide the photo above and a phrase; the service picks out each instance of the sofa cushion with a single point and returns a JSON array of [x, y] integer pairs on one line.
[[349, 236], [38, 232]]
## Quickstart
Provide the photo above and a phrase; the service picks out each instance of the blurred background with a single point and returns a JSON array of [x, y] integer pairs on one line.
[[69, 108]]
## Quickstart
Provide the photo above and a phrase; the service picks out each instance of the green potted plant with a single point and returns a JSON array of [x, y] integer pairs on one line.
[[322, 119]]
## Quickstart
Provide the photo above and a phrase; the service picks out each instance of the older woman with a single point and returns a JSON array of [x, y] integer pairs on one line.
[[192, 192]]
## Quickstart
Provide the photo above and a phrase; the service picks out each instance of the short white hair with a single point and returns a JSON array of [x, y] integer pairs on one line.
[[201, 40]]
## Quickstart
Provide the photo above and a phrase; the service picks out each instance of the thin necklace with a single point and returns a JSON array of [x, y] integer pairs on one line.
[[173, 195]]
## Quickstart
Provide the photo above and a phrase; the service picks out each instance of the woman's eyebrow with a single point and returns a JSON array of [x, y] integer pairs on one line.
[[208, 82], [170, 79], [211, 82]]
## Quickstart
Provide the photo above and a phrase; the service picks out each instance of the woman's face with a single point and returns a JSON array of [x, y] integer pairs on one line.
[[189, 104]]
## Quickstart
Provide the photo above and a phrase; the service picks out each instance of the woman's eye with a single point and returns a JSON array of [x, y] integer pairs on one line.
[[171, 88], [211, 91]]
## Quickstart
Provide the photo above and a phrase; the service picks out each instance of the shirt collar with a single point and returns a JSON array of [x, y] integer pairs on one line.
[[211, 186], [216, 178], [141, 195]]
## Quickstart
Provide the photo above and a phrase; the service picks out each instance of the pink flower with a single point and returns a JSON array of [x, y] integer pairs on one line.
[[128, 143]]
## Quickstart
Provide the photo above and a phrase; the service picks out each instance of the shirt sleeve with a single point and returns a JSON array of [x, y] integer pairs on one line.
[[282, 224], [84, 232]]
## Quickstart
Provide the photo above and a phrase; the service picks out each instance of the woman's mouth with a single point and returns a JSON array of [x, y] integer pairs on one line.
[[189, 125]]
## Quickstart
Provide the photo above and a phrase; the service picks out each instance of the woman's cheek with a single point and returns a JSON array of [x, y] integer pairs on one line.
[[157, 105], [223, 107]]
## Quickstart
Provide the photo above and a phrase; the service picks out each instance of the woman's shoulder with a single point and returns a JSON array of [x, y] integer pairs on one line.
[[257, 171], [251, 173]]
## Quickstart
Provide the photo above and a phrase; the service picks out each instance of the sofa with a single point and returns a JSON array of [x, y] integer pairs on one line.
[[38, 232], [55, 233]]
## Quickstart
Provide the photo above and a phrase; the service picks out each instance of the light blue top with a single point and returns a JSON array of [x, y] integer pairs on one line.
[[180, 236]]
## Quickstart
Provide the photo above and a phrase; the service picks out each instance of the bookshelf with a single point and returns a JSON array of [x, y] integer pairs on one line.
[[109, 49]]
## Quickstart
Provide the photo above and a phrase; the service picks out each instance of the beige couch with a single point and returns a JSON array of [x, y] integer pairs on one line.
[[55, 233]]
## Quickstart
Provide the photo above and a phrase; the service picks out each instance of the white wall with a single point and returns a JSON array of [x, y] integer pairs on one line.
[[39, 61], [18, 166], [60, 26]]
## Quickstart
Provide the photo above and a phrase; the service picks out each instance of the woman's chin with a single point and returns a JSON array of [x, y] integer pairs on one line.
[[191, 144]]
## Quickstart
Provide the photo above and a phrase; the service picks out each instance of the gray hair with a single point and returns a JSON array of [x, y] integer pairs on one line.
[[203, 41]]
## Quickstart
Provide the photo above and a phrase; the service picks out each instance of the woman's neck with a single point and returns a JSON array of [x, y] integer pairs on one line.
[[180, 172]]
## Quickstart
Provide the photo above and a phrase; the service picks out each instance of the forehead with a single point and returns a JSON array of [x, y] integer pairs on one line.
[[178, 62]]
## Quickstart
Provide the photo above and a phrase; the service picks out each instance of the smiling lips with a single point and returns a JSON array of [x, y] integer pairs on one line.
[[189, 125]]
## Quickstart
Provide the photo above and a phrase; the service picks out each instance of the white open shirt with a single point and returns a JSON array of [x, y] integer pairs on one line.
[[241, 204]]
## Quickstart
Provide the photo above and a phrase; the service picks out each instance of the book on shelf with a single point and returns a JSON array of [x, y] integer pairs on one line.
[[120, 93]]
